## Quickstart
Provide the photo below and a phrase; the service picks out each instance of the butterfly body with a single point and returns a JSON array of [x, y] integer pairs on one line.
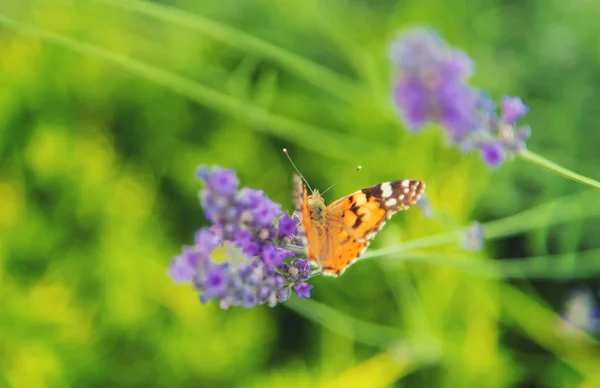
[[337, 235]]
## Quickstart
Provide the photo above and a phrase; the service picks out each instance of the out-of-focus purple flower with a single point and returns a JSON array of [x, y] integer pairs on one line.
[[431, 82], [266, 213], [413, 98], [493, 153], [287, 226], [273, 256], [425, 206], [206, 241], [512, 109], [250, 198], [222, 181], [251, 248], [240, 259], [581, 312], [216, 281], [242, 237], [473, 240], [303, 290], [184, 267], [203, 172], [299, 270], [431, 87], [457, 104]]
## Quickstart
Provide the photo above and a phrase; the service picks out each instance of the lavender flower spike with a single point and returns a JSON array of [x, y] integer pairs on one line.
[[431, 87], [581, 311], [473, 240], [240, 259]]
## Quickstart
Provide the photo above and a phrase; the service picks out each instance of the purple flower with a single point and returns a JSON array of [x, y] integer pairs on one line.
[[299, 271], [431, 87], [413, 98], [215, 283], [266, 212], [458, 110], [493, 153], [241, 237], [460, 64], [248, 237], [202, 173], [581, 311], [512, 109], [183, 267], [222, 181], [206, 241], [249, 198], [425, 206], [474, 237], [271, 256], [287, 226], [251, 248], [303, 290]]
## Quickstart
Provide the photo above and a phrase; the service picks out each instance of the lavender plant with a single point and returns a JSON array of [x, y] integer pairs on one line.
[[431, 87], [240, 260], [581, 312]]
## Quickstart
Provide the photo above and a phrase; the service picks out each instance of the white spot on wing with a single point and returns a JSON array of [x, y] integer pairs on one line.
[[391, 202], [386, 190], [405, 183]]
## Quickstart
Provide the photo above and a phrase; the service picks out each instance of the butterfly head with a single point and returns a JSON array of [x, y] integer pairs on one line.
[[316, 206]]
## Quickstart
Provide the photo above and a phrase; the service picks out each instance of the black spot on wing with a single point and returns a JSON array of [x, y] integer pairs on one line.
[[357, 222], [374, 191], [398, 188]]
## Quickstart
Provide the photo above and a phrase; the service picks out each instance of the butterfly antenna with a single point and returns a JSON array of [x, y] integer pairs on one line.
[[285, 151], [355, 170]]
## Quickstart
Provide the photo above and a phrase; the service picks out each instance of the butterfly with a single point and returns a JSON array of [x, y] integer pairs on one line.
[[337, 235]]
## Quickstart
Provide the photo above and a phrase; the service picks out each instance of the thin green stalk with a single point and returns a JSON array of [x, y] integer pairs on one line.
[[408, 301], [309, 136], [568, 208], [425, 242], [540, 267], [543, 326], [344, 325], [543, 162], [320, 76]]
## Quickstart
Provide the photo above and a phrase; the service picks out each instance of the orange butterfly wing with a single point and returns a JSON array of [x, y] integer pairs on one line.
[[353, 220], [314, 229]]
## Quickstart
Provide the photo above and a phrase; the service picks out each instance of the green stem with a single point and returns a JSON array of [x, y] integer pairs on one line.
[[278, 125], [567, 208], [344, 325], [295, 248], [540, 267], [425, 242], [543, 162], [317, 75], [539, 323]]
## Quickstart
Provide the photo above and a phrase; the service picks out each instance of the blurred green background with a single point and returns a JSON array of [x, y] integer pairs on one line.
[[107, 108]]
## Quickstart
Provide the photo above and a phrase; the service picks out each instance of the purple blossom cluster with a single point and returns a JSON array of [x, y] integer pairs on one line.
[[431, 87], [581, 312], [240, 259], [474, 237]]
